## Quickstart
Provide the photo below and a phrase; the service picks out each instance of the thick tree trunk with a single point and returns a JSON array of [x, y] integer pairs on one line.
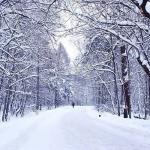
[[116, 86], [7, 102], [8, 97], [115, 75], [125, 77], [149, 95]]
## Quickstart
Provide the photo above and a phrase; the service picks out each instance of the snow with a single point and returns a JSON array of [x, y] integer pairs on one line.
[[142, 57], [66, 128], [148, 7], [126, 23], [136, 53], [140, 1], [148, 66], [126, 78], [145, 62], [124, 54]]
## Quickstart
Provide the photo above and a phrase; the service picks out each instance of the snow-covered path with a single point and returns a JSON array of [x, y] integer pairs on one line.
[[74, 129]]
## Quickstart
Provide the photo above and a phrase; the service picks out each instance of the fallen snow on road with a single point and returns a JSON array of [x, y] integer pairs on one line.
[[66, 128]]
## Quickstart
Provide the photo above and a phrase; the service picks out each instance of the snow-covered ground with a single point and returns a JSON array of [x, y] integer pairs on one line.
[[66, 128]]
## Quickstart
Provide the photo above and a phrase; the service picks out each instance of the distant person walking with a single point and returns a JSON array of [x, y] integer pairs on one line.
[[73, 104]]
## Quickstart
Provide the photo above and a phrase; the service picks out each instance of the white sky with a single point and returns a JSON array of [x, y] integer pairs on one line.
[[70, 47], [69, 41]]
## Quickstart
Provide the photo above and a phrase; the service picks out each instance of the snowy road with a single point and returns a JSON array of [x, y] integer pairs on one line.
[[74, 129]]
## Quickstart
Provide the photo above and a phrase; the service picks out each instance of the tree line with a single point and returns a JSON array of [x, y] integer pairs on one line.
[[116, 53]]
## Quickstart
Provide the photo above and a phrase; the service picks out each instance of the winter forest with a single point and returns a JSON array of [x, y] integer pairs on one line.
[[88, 52]]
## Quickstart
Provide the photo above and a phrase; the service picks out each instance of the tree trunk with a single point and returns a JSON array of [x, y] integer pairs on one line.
[[116, 86], [149, 95], [56, 98], [125, 77], [7, 102], [37, 87]]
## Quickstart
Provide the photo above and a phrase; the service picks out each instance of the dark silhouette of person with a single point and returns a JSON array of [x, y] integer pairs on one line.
[[73, 104]]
